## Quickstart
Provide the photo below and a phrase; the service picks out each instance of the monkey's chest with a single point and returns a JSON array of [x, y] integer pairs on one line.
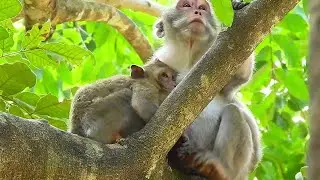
[[203, 130]]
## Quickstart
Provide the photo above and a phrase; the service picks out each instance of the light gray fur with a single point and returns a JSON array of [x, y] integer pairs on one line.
[[225, 131], [116, 107]]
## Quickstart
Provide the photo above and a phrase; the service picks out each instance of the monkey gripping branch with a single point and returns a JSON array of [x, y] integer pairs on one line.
[[32, 149]]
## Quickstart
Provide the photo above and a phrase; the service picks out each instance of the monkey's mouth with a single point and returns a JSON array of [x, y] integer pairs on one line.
[[198, 20]]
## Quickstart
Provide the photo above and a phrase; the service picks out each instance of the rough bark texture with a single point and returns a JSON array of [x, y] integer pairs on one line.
[[314, 76], [60, 11], [146, 6], [31, 149]]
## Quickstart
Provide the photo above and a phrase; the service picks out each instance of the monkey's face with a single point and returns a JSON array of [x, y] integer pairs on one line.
[[196, 12], [166, 79], [189, 18]]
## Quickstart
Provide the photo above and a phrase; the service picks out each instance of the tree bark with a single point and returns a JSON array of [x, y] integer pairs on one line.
[[60, 11], [314, 89], [146, 6], [31, 149]]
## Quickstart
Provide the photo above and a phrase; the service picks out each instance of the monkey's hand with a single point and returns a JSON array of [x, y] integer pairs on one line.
[[178, 154], [237, 5], [206, 165]]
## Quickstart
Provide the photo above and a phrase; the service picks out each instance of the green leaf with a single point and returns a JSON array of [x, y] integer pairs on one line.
[[27, 100], [299, 25], [6, 44], [39, 58], [34, 36], [294, 83], [224, 11], [306, 6], [9, 8], [290, 49], [7, 24], [73, 53], [304, 171], [59, 123], [16, 111], [2, 105], [28, 97], [3, 33], [12, 58], [50, 106], [15, 78]]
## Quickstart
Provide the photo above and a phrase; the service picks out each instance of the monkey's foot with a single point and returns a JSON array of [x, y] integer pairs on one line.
[[207, 166]]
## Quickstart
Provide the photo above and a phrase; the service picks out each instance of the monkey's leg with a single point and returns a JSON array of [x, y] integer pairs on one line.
[[106, 118], [233, 148]]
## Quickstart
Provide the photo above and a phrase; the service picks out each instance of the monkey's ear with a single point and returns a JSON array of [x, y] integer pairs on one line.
[[137, 72], [159, 29]]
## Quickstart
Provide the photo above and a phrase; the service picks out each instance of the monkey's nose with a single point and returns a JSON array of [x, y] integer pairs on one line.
[[197, 12]]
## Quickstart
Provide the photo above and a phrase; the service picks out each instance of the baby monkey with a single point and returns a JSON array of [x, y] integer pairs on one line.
[[114, 108]]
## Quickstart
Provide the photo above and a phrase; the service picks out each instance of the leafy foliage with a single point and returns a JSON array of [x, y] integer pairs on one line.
[[38, 76]]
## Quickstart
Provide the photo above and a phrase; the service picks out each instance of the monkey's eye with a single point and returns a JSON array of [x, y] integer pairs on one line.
[[186, 5], [202, 8], [165, 75]]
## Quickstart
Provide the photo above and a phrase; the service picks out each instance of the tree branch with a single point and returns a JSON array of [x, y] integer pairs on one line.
[[60, 11], [314, 89], [143, 154], [146, 6]]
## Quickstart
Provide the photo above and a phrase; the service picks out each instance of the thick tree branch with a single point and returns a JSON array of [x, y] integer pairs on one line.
[[147, 6], [60, 11], [314, 76], [143, 154], [32, 149]]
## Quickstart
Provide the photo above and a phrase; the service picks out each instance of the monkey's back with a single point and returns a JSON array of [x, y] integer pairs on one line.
[[88, 94]]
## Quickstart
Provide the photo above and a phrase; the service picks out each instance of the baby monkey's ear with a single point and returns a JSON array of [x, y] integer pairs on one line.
[[137, 72], [158, 29]]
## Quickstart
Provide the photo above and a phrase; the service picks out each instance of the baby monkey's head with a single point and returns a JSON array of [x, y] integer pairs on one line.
[[156, 72]]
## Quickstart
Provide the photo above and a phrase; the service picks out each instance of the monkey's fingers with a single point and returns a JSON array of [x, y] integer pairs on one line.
[[238, 5]]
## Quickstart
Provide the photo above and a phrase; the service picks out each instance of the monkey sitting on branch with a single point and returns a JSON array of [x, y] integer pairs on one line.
[[114, 108], [223, 142]]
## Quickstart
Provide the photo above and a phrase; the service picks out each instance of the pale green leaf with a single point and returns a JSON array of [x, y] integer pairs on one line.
[[9, 9], [294, 82], [28, 97], [34, 36], [6, 44], [73, 53], [15, 78], [2, 105], [39, 58], [3, 33], [15, 110], [27, 100], [224, 11], [304, 171], [50, 106], [7, 24]]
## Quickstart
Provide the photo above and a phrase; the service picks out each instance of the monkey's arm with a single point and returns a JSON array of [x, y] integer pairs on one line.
[[145, 100], [242, 76]]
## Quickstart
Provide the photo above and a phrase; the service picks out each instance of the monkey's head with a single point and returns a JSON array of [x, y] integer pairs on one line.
[[188, 19], [156, 72]]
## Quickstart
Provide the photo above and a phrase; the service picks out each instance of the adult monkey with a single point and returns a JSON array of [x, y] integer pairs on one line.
[[224, 140]]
